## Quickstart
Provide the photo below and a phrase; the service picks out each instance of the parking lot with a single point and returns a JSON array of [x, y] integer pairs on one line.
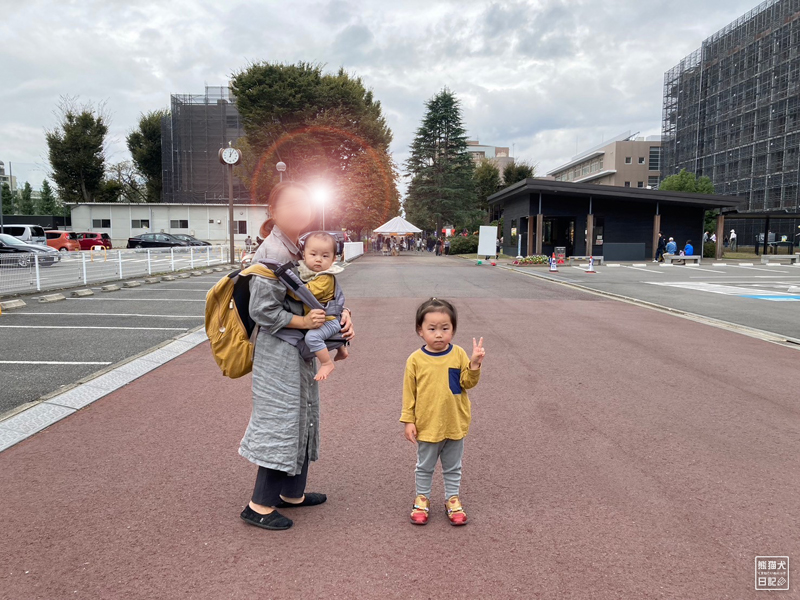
[[765, 297], [44, 347]]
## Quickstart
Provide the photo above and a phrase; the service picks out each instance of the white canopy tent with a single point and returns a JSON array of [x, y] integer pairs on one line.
[[397, 226]]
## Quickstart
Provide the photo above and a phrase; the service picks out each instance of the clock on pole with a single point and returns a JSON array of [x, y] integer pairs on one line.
[[230, 156]]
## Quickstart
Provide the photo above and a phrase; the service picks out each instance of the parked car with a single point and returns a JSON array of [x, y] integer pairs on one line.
[[31, 234], [16, 253], [156, 240], [63, 241], [193, 241], [89, 239]]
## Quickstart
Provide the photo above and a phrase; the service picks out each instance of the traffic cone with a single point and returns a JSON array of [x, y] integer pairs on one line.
[[553, 264], [591, 265]]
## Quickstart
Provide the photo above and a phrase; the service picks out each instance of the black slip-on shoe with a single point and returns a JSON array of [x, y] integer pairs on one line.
[[273, 520], [311, 499]]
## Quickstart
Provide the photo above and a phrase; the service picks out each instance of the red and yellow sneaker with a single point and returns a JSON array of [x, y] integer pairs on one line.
[[419, 514], [455, 512]]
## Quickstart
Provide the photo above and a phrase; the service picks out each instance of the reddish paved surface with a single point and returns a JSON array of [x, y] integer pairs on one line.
[[590, 471]]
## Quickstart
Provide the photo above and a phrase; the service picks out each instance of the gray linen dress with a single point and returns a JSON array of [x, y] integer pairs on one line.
[[284, 423]]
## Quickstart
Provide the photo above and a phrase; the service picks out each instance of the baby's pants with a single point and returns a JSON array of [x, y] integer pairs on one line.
[[315, 338], [450, 453]]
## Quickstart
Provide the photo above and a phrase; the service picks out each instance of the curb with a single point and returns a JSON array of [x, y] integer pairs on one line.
[[82, 293], [33, 417], [110, 288], [767, 336], [131, 284], [10, 304], [51, 298]]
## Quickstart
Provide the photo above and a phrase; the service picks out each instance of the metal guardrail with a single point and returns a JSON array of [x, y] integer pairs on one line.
[[22, 273]]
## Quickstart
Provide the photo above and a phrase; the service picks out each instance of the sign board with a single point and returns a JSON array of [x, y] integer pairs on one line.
[[487, 241], [561, 255]]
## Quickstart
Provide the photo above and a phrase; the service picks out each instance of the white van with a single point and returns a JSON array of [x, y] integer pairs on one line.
[[31, 234]]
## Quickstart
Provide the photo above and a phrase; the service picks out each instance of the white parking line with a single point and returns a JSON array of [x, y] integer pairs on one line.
[[646, 270], [759, 269], [170, 289], [49, 362], [92, 327], [696, 268], [91, 314], [142, 299]]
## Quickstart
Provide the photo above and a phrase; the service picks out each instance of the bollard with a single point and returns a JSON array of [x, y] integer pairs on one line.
[[149, 266], [191, 257], [208, 256], [172, 257], [83, 256], [119, 256], [38, 279]]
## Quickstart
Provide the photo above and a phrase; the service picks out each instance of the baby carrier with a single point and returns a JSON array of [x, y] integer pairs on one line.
[[231, 330]]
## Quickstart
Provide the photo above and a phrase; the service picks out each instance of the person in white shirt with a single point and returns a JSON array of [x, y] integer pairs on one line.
[[733, 244]]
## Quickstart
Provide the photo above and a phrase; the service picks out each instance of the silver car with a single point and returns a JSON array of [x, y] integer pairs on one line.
[[30, 234]]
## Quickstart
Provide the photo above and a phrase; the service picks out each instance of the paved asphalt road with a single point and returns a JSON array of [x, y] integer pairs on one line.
[[594, 468], [758, 296], [105, 328]]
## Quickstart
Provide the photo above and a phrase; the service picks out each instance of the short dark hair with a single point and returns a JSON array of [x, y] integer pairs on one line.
[[437, 305], [322, 235]]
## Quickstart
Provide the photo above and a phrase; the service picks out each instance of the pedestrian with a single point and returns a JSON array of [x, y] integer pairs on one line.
[[248, 242], [688, 249], [733, 243], [282, 436], [705, 237], [661, 248], [713, 237], [672, 247], [436, 408], [447, 246], [430, 244]]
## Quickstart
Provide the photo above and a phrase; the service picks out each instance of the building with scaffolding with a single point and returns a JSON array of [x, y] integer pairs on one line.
[[732, 109], [191, 136]]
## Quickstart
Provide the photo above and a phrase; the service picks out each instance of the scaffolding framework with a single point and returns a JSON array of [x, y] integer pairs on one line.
[[197, 127], [731, 109]]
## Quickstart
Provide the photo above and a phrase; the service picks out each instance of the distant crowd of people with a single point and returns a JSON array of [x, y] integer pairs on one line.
[[393, 244]]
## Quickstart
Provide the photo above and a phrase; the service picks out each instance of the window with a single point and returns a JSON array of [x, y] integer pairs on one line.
[[211, 221], [627, 184], [640, 184], [652, 181], [140, 223], [641, 160], [240, 227], [655, 158], [101, 223], [628, 160], [179, 224]]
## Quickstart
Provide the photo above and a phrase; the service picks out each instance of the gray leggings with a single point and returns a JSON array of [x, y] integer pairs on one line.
[[315, 338], [450, 453]]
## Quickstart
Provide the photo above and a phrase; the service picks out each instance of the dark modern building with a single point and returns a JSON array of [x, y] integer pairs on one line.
[[197, 127], [732, 109], [585, 219]]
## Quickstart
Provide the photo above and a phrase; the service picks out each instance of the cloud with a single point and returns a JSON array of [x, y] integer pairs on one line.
[[546, 76]]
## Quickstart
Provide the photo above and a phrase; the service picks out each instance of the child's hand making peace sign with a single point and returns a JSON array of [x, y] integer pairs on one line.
[[478, 353]]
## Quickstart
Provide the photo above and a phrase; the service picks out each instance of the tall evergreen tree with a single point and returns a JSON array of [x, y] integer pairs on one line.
[[9, 200], [516, 171], [144, 144], [76, 151], [47, 201], [442, 189], [26, 205]]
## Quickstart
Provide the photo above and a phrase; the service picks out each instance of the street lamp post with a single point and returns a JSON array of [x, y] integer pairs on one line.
[[281, 166]]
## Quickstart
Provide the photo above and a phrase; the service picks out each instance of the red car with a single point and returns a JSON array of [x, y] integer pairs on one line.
[[89, 239], [63, 241]]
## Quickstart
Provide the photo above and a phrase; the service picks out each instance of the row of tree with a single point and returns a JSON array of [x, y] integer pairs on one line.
[[446, 186], [22, 202]]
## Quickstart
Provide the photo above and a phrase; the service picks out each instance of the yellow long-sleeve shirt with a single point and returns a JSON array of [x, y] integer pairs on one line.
[[435, 394]]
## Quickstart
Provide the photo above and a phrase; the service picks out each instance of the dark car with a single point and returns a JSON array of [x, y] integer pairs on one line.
[[15, 253], [156, 240], [193, 241], [90, 239]]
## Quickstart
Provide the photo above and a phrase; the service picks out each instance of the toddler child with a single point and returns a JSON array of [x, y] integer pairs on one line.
[[436, 409], [319, 273]]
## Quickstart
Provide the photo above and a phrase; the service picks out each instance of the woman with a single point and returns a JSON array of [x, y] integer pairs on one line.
[[283, 433]]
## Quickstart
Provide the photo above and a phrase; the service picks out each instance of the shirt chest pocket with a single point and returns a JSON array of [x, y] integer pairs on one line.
[[455, 380]]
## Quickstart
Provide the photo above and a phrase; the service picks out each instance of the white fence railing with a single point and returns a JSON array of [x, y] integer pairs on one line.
[[35, 272], [353, 249]]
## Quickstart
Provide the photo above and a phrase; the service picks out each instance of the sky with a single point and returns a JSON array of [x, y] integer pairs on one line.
[[547, 78]]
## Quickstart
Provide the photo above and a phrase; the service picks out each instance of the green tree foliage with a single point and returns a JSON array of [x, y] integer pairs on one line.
[[48, 204], [442, 188], [516, 171], [76, 152], [366, 196], [487, 182], [26, 204], [9, 200], [687, 182], [144, 144], [327, 128]]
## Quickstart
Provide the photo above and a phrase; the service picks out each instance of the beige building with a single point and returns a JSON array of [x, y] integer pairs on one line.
[[498, 156], [625, 161], [7, 177]]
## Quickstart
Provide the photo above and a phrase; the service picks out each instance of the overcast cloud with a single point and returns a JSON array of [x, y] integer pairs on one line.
[[546, 76]]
